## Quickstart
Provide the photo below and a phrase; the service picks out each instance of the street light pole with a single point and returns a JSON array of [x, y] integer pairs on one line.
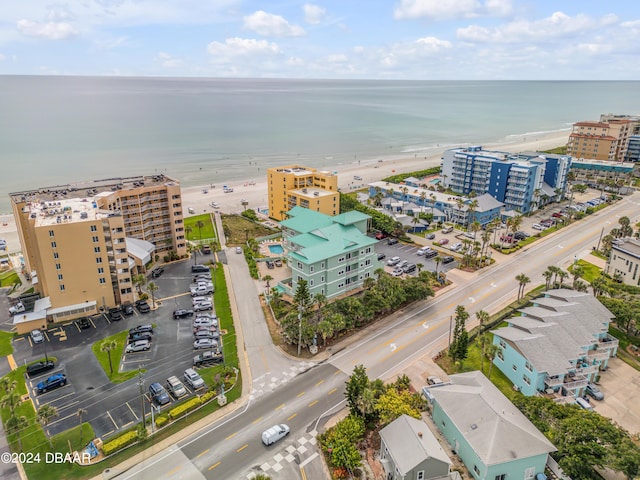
[[140, 384], [299, 327]]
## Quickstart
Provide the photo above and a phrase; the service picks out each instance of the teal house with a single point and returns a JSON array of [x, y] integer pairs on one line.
[[557, 346], [333, 254], [489, 434]]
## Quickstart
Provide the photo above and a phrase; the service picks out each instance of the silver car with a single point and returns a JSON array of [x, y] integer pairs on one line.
[[37, 336], [203, 343]]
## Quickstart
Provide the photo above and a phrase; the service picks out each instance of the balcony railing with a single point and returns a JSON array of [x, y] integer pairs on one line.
[[578, 381], [587, 370], [552, 381], [597, 356], [606, 343]]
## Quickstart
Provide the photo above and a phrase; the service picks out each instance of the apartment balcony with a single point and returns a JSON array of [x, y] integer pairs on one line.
[[607, 343], [553, 381], [587, 370], [575, 382], [597, 356]]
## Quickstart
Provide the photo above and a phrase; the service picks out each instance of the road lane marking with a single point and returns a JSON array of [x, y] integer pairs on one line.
[[202, 453], [114, 422], [256, 420], [320, 383], [312, 403], [242, 448], [332, 391], [279, 406], [134, 413], [231, 436], [175, 470], [213, 466], [292, 416], [309, 460], [338, 372], [300, 394]]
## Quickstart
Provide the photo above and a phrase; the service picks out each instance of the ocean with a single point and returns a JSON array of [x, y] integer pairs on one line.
[[55, 130]]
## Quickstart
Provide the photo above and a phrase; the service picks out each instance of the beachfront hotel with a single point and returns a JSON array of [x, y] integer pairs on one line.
[[294, 185], [522, 182], [82, 243], [607, 139], [332, 253]]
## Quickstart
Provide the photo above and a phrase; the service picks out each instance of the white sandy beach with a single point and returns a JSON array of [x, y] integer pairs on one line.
[[254, 191]]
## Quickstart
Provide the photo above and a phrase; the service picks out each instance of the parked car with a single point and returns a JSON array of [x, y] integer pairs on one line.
[[54, 381], [430, 236], [147, 328], [274, 434], [84, 323], [444, 241], [193, 379], [393, 261], [37, 336], [17, 308], [431, 254], [455, 247], [557, 215], [206, 249], [156, 272], [143, 306], [447, 230], [135, 337], [448, 259], [40, 367], [159, 394], [423, 250], [205, 322], [381, 256], [392, 241], [270, 264], [278, 262], [198, 277], [584, 403], [204, 332], [434, 380], [115, 314], [138, 346], [537, 226], [203, 306], [594, 392], [397, 272], [205, 343], [380, 236], [239, 250], [520, 235], [182, 313], [199, 269], [127, 309], [201, 290], [207, 358], [403, 263], [176, 387], [409, 268]]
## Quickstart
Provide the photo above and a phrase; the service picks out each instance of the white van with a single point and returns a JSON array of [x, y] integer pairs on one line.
[[275, 433], [584, 403], [423, 250]]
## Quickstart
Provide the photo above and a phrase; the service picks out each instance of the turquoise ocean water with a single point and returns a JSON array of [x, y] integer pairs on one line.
[[55, 130]]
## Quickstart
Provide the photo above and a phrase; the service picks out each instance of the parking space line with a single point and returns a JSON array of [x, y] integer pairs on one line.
[[126, 425], [112, 420], [134, 413]]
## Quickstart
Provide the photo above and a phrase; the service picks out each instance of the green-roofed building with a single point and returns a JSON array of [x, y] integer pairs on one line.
[[333, 254]]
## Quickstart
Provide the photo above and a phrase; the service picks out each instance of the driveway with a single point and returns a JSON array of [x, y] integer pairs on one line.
[[621, 387]]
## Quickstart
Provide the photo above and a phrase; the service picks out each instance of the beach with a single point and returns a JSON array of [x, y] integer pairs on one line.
[[254, 190]]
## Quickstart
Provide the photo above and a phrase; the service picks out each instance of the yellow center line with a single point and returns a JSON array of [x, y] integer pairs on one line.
[[320, 383], [214, 466], [171, 472], [300, 394], [416, 338], [312, 403], [279, 406], [393, 339], [292, 416], [231, 436], [256, 420], [202, 453], [304, 474], [242, 447], [332, 391]]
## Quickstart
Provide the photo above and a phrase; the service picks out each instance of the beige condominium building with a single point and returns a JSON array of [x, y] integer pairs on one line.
[[82, 243], [295, 185], [607, 139], [624, 261]]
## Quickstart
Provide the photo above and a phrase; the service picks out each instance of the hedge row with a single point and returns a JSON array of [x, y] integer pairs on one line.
[[251, 262], [184, 408], [161, 420], [120, 442]]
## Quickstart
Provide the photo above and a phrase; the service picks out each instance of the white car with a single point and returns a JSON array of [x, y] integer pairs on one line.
[[397, 272], [138, 346], [275, 433], [205, 322], [393, 261], [37, 336], [17, 308], [423, 250], [456, 247], [537, 226], [176, 387], [192, 379], [202, 306], [203, 343]]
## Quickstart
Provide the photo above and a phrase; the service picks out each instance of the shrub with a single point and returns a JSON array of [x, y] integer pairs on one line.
[[184, 408], [120, 442], [204, 398], [161, 420], [250, 214]]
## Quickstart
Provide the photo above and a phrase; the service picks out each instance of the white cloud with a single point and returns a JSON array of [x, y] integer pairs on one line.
[[313, 14], [109, 43], [241, 47], [295, 61], [2, 57], [441, 9], [337, 58], [269, 25], [432, 44], [48, 30], [168, 61]]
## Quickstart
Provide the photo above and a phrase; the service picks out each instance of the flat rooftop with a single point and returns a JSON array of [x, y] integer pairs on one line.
[[298, 170], [70, 210], [312, 192]]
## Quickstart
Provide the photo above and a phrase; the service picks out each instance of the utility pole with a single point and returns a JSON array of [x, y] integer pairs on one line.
[[599, 240], [450, 321], [140, 384], [299, 327]]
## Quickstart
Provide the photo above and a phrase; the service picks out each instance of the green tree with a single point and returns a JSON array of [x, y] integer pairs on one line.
[[45, 413], [490, 352], [458, 350], [16, 424], [152, 288], [108, 346], [523, 280], [355, 386], [139, 280], [483, 318], [199, 225], [81, 412], [267, 279], [393, 403]]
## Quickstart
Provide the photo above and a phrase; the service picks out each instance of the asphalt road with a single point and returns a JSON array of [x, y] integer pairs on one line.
[[231, 448]]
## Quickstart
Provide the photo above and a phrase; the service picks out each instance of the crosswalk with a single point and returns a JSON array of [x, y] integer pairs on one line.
[[269, 382], [302, 447]]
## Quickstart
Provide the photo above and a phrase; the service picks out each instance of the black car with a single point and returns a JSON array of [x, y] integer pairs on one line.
[[392, 241], [141, 329], [520, 235], [127, 309], [115, 314], [143, 306], [156, 272], [430, 254], [270, 264], [430, 236], [207, 358], [182, 313], [159, 394], [411, 267], [448, 259], [54, 381], [134, 337], [381, 256], [40, 367], [84, 322], [200, 269]]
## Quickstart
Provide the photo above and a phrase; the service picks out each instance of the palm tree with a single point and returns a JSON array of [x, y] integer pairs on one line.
[[79, 413], [419, 266], [276, 295], [267, 278], [191, 248], [522, 281], [139, 280], [15, 424], [187, 231], [547, 274], [515, 223], [107, 346], [578, 272], [491, 352], [199, 225], [326, 329], [437, 260], [415, 220], [404, 191], [45, 414], [152, 287], [475, 227], [563, 276], [483, 318]]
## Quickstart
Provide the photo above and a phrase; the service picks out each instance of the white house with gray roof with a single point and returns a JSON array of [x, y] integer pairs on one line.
[[490, 435], [624, 261], [409, 451], [557, 346]]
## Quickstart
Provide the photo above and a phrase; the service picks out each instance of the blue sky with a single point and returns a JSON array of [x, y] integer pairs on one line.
[[399, 39]]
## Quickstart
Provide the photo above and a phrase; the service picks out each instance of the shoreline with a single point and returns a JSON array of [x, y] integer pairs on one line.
[[374, 168]]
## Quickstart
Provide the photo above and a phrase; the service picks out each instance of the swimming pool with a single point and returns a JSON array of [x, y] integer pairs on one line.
[[276, 249]]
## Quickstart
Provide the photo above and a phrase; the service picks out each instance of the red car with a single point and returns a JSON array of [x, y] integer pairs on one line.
[[444, 241], [380, 236], [557, 215]]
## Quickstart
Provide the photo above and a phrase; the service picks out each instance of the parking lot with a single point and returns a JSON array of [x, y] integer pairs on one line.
[[111, 407], [408, 252]]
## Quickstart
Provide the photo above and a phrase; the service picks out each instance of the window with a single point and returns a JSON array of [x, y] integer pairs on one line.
[[341, 259], [503, 344], [96, 249], [514, 367], [340, 272], [60, 276], [300, 265], [526, 380], [94, 228], [51, 233], [311, 283], [420, 475], [340, 285], [55, 255], [528, 366], [62, 287], [100, 270], [322, 265], [476, 470], [311, 268], [322, 278], [500, 355], [58, 266], [53, 245], [502, 476], [102, 280], [99, 260], [95, 239], [368, 250]]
